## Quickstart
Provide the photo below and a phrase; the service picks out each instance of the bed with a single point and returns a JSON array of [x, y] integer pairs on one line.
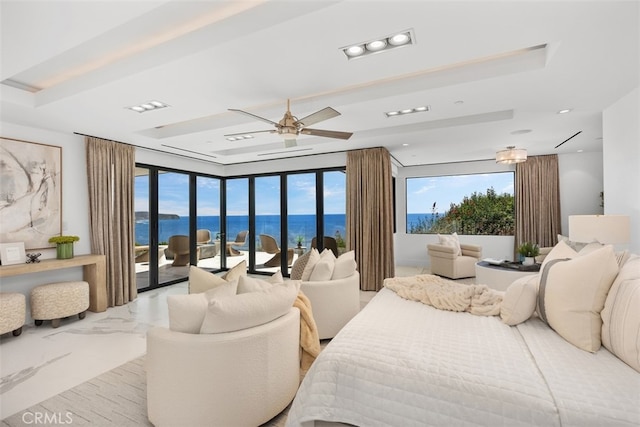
[[404, 363]]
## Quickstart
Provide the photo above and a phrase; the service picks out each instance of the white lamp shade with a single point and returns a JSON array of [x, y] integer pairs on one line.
[[599, 228], [511, 155]]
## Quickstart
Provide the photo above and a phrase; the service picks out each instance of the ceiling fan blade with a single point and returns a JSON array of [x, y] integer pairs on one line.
[[254, 116], [327, 133], [251, 132], [318, 116], [288, 143]]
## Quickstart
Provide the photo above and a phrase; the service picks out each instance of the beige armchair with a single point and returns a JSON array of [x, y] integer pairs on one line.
[[179, 247], [270, 246], [446, 262]]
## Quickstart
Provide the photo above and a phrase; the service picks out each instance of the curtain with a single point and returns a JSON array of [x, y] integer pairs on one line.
[[111, 174], [370, 215], [537, 199]]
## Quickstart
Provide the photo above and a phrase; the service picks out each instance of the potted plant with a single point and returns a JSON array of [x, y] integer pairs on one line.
[[299, 240], [64, 245], [529, 251]]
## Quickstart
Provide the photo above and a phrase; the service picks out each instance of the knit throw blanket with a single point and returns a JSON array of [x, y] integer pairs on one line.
[[446, 294], [309, 341]]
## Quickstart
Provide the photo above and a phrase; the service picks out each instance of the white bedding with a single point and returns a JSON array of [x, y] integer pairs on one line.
[[402, 363]]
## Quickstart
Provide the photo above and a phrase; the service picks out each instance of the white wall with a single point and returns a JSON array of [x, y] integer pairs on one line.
[[621, 162], [580, 185]]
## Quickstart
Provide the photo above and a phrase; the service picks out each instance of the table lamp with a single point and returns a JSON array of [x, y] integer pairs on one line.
[[608, 229]]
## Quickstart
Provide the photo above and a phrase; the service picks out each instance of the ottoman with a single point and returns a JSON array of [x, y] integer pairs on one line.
[[12, 312], [55, 301]]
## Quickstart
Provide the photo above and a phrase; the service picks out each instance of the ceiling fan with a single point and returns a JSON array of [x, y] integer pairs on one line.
[[290, 126]]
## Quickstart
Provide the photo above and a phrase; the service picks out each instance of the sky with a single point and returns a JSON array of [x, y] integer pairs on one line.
[[301, 188], [422, 193]]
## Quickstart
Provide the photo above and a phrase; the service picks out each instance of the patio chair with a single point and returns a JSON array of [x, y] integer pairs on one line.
[[270, 246], [179, 246], [328, 242], [241, 238], [203, 236]]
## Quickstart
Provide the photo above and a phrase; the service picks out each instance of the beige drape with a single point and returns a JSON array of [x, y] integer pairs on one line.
[[537, 196], [111, 174], [370, 215]]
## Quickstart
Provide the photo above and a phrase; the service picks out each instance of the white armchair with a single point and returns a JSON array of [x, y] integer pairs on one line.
[[334, 303], [446, 262], [240, 378]]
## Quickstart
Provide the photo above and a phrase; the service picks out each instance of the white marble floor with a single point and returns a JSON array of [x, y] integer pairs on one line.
[[43, 362]]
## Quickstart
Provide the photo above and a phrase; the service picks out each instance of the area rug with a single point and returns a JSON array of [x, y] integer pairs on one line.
[[116, 398]]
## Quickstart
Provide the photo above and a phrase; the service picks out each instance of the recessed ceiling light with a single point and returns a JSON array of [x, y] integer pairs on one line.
[[148, 106], [405, 145], [408, 111], [565, 111], [381, 44], [521, 131]]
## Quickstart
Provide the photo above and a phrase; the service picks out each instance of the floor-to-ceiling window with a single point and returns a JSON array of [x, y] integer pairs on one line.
[[208, 222], [237, 217], [142, 228], [301, 211], [334, 198], [268, 223]]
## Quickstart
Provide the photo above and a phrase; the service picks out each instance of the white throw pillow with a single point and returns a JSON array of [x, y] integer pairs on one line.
[[572, 294], [345, 266], [240, 269], [276, 278], [314, 258], [519, 300], [186, 312], [560, 251], [248, 310], [451, 240], [250, 284], [202, 280], [620, 315], [323, 270]]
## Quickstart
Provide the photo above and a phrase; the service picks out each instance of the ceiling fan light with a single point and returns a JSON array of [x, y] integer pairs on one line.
[[511, 155], [376, 45], [399, 39]]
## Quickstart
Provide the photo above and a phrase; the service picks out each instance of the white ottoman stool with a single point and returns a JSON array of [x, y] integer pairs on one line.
[[12, 313], [55, 301]]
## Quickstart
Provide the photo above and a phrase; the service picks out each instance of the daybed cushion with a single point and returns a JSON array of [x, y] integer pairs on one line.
[[519, 300], [621, 316], [572, 293], [249, 309], [186, 312]]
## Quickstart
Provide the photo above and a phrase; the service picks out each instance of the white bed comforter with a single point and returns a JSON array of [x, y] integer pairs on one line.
[[402, 363]]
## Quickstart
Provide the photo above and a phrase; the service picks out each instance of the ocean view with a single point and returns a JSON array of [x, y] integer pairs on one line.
[[299, 225]]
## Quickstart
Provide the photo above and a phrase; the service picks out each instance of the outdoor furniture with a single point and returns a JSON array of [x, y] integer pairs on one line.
[[328, 242], [179, 247], [203, 236], [270, 246], [241, 238]]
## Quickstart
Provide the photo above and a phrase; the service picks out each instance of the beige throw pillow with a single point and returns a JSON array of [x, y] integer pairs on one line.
[[621, 314], [249, 309], [345, 266], [186, 312], [202, 280], [451, 240], [519, 300], [240, 269], [249, 284], [314, 258], [299, 265], [572, 293]]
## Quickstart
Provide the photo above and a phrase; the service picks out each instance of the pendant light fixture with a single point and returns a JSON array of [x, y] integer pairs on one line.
[[511, 155]]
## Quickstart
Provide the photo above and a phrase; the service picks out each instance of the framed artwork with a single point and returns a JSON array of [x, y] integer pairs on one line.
[[30, 192], [12, 253]]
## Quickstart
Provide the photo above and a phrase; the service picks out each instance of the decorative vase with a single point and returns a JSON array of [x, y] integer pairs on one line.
[[64, 250], [529, 260]]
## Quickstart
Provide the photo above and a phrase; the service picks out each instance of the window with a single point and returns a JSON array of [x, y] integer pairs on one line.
[[480, 204]]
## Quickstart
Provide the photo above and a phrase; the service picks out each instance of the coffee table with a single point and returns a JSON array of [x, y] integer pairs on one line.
[[500, 276]]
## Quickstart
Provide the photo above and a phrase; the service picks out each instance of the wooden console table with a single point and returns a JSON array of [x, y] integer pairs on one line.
[[94, 270]]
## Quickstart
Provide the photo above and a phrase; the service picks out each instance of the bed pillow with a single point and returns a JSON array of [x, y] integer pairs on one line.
[[314, 258], [519, 300], [240, 269], [299, 265], [576, 246], [620, 315], [572, 294], [201, 280], [451, 240], [186, 312], [323, 270], [248, 310], [560, 251], [345, 266]]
